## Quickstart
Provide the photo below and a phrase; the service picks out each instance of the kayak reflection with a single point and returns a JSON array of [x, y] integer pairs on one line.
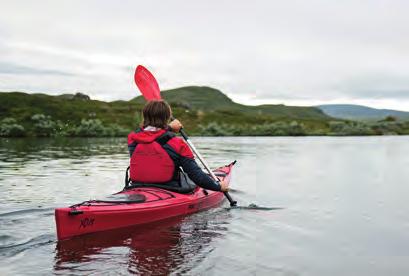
[[175, 245]]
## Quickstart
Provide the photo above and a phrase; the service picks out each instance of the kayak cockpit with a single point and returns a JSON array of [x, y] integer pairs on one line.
[[131, 196]]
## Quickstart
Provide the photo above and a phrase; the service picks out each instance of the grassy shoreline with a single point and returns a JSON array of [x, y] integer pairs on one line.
[[204, 111]]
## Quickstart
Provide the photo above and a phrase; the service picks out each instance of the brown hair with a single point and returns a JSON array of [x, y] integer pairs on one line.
[[156, 113]]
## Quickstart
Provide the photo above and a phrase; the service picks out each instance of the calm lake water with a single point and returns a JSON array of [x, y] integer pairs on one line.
[[345, 210]]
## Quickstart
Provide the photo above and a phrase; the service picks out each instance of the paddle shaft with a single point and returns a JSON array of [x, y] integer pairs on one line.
[[199, 156]]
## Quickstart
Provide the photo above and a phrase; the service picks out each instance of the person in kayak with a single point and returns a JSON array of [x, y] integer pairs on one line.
[[157, 154]]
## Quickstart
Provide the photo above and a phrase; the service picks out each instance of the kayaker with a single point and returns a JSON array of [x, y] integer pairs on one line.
[[157, 154]]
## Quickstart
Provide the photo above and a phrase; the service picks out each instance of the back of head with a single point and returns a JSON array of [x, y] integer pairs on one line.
[[156, 113]]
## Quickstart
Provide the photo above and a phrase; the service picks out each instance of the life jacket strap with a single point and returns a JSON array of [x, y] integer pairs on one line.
[[164, 138], [127, 179]]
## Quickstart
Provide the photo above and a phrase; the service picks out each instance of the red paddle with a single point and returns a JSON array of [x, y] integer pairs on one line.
[[147, 84], [149, 88]]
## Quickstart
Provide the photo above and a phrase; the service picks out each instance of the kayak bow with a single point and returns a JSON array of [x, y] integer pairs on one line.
[[135, 206]]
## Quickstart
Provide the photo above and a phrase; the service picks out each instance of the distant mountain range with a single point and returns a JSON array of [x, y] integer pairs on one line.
[[360, 112]]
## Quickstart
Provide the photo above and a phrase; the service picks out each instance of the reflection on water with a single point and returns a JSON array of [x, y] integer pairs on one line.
[[344, 198], [25, 149], [171, 246]]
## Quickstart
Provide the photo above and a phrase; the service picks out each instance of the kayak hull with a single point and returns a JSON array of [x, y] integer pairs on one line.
[[159, 204]]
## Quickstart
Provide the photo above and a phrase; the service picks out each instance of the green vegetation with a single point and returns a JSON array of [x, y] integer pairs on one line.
[[203, 111], [267, 129], [44, 126], [10, 128]]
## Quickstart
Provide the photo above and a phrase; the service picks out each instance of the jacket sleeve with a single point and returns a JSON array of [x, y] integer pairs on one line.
[[195, 173], [131, 144], [185, 159]]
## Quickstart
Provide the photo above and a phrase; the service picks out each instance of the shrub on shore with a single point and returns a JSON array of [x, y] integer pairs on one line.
[[41, 125], [268, 129], [95, 128], [10, 128]]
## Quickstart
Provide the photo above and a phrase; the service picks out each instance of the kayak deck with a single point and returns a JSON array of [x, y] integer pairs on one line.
[[134, 207]]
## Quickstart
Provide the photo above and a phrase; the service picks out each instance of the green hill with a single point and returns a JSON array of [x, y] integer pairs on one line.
[[23, 106], [203, 111], [209, 100], [199, 100], [196, 97]]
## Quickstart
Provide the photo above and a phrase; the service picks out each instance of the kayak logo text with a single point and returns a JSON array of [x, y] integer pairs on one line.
[[86, 222]]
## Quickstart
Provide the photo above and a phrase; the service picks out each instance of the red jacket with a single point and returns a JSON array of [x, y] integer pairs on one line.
[[150, 163]]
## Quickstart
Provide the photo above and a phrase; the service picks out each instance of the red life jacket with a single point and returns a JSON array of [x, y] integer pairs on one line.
[[150, 163]]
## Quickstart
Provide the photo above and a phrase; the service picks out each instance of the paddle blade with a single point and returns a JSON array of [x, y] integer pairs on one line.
[[147, 84]]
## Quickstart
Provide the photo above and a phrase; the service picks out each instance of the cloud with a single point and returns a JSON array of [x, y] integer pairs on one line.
[[377, 86], [297, 52], [14, 69]]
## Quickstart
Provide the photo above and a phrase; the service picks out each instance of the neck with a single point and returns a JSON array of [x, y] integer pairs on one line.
[[151, 128]]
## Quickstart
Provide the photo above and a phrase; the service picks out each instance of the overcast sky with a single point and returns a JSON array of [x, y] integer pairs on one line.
[[291, 52]]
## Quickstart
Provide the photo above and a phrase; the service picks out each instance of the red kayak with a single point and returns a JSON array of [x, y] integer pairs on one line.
[[135, 206]]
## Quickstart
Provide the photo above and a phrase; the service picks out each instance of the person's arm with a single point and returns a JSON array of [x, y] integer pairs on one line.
[[183, 156], [196, 174]]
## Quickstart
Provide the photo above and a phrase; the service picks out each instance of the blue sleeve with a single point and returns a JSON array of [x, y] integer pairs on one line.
[[196, 174], [131, 148]]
